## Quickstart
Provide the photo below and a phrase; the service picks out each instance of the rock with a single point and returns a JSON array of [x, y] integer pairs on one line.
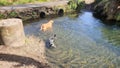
[[11, 32], [89, 1]]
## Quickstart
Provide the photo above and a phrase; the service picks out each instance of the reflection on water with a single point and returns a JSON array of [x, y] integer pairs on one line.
[[82, 42]]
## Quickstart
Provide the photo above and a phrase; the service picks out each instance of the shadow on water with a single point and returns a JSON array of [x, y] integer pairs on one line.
[[82, 41], [21, 60]]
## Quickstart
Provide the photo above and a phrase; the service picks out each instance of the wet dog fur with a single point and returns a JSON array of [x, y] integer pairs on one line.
[[46, 26]]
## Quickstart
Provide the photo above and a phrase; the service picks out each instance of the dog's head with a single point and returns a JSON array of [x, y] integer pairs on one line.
[[51, 21]]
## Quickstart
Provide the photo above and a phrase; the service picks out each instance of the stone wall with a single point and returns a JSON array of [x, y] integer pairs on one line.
[[33, 11]]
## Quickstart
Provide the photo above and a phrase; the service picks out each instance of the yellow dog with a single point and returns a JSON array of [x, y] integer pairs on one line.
[[46, 26]]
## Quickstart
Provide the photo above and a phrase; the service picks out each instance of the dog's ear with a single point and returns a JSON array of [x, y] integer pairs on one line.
[[54, 35]]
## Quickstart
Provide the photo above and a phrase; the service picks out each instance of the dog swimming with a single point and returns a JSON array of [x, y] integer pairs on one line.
[[50, 42], [47, 25]]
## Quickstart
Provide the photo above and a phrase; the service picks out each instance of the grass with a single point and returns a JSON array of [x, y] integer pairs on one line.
[[4, 2], [16, 2]]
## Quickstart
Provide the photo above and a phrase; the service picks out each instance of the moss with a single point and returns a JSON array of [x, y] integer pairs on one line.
[[2, 16], [34, 13], [118, 17], [12, 14]]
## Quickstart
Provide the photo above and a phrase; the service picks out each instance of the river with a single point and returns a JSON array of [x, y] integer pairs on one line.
[[82, 41]]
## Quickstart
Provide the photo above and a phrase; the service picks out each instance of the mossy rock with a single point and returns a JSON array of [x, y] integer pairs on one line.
[[12, 14], [2, 16], [117, 16]]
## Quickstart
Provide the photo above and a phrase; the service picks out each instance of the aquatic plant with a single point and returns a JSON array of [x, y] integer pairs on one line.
[[112, 36]]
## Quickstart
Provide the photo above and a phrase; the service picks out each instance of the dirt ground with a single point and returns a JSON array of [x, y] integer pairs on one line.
[[31, 55]]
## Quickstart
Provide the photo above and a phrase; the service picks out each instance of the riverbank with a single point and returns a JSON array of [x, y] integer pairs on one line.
[[72, 31], [108, 11], [31, 55], [33, 11]]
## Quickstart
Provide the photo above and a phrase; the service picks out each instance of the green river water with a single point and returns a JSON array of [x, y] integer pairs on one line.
[[82, 42]]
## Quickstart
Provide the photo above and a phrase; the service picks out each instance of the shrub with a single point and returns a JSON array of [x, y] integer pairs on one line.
[[73, 4]]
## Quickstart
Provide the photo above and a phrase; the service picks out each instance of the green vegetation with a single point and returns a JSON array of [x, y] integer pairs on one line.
[[4, 2], [113, 36], [15, 2], [118, 16], [12, 14], [74, 4], [107, 10], [2, 16]]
